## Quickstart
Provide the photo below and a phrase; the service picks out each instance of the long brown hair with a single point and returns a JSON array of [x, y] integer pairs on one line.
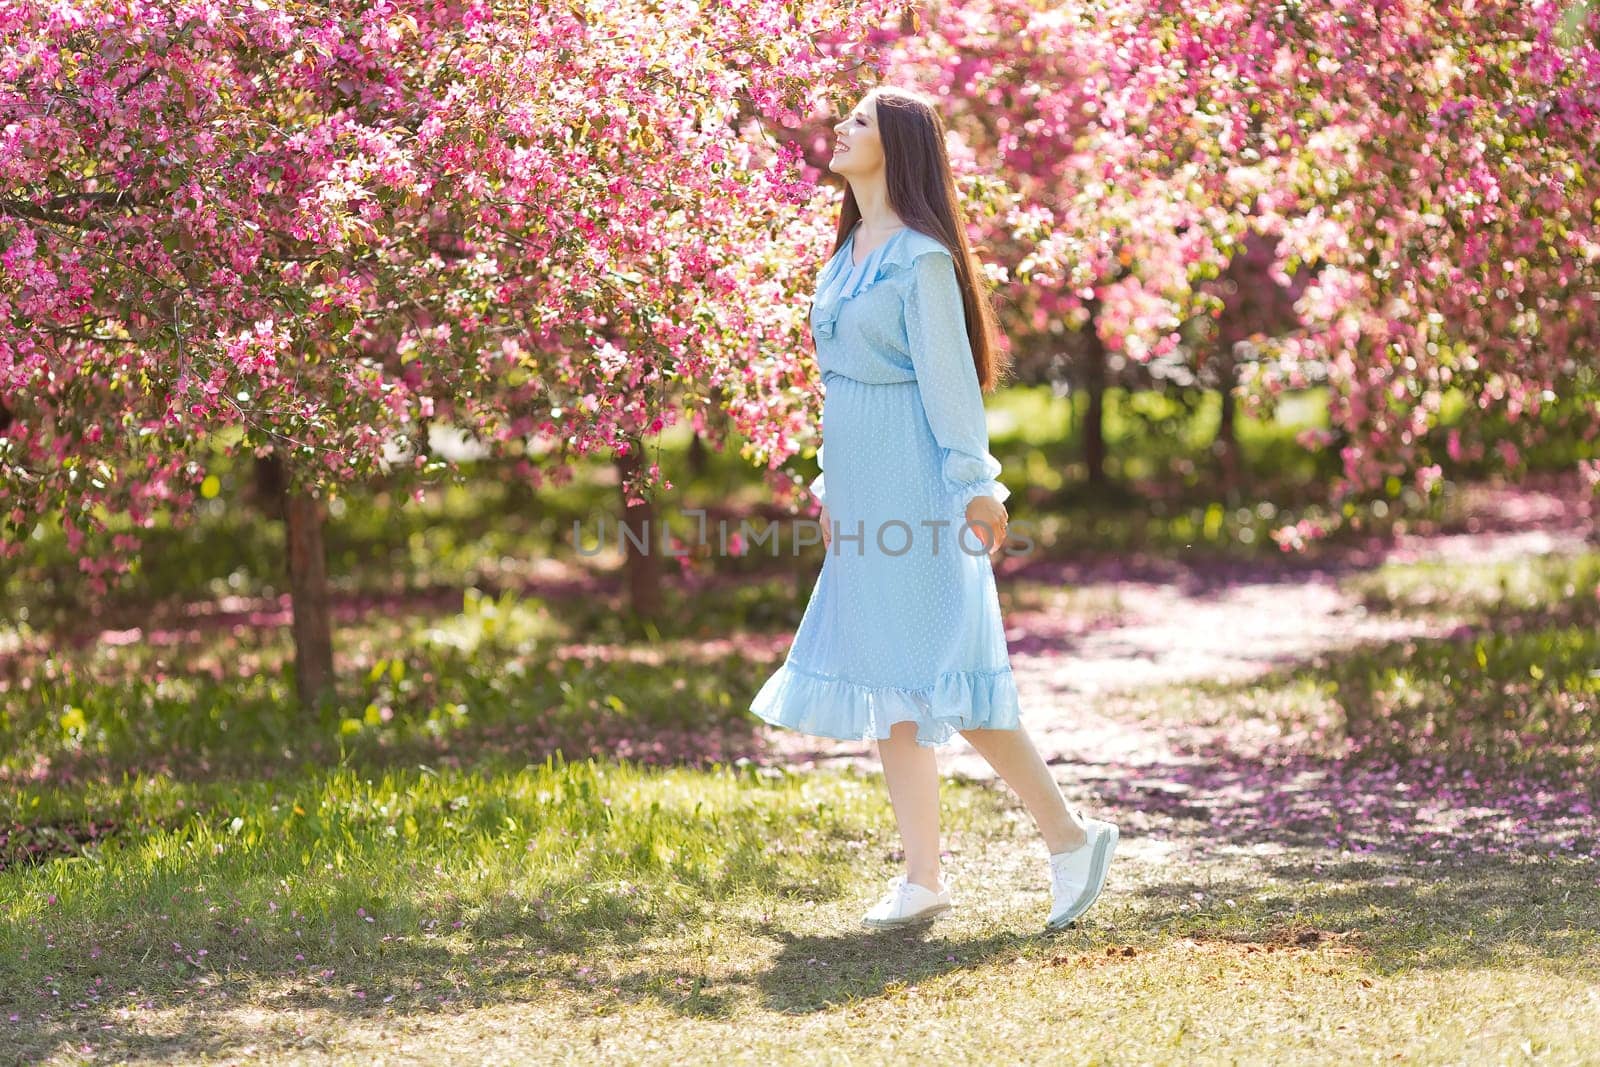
[[922, 192]]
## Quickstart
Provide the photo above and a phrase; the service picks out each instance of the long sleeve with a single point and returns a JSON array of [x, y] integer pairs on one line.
[[947, 379], [816, 483]]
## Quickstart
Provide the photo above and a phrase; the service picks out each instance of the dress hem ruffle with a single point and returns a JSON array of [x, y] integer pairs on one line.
[[851, 711]]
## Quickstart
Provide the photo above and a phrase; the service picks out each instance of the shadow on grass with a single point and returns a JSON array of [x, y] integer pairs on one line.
[[1458, 914], [813, 973], [820, 972]]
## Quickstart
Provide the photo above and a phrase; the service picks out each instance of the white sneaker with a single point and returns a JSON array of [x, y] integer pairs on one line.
[[907, 902], [1077, 877]]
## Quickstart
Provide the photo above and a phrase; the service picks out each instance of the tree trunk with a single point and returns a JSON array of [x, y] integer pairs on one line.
[[643, 567], [302, 518], [1094, 422], [519, 496], [1226, 446], [270, 486], [698, 455]]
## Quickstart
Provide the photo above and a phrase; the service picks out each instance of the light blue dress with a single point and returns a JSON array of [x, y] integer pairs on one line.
[[904, 621]]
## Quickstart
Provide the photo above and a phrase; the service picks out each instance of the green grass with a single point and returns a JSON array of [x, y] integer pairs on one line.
[[1547, 588], [650, 914], [520, 673], [1518, 683], [570, 853]]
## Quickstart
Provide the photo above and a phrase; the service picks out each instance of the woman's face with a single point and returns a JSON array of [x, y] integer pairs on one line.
[[858, 150]]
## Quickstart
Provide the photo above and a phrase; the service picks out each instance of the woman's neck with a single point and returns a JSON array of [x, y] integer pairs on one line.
[[876, 215]]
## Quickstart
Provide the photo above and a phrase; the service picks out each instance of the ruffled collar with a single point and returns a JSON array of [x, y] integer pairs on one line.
[[842, 279]]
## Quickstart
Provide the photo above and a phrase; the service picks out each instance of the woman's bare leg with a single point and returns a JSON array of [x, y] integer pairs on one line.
[[912, 774], [1012, 754]]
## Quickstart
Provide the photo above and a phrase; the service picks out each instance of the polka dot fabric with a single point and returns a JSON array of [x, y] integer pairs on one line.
[[904, 620]]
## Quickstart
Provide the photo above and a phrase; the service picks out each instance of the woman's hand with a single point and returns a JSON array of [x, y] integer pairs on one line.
[[989, 518], [827, 527]]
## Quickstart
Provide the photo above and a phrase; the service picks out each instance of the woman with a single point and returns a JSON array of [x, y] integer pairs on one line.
[[902, 639]]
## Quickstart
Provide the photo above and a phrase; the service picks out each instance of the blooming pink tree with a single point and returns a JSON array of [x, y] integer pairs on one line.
[[1427, 159], [300, 232], [1466, 239]]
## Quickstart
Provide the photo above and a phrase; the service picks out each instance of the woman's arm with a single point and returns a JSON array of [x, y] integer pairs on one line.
[[948, 380]]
